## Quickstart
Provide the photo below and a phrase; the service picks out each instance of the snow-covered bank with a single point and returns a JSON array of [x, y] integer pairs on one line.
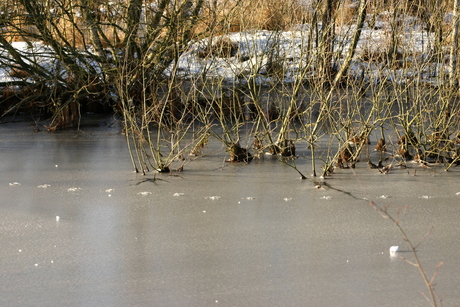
[[255, 53]]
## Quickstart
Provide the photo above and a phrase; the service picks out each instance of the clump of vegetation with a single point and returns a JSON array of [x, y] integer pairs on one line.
[[239, 154]]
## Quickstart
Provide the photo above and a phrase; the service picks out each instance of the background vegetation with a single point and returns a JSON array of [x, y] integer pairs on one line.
[[125, 57]]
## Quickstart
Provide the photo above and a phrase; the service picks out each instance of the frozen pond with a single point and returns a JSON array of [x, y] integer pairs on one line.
[[219, 234]]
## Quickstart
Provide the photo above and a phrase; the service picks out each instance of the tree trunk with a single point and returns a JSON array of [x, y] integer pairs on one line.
[[351, 51], [327, 41], [454, 49]]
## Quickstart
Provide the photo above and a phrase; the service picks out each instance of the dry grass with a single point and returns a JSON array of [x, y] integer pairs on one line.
[[226, 16], [19, 24], [230, 16], [272, 14], [17, 72], [347, 12]]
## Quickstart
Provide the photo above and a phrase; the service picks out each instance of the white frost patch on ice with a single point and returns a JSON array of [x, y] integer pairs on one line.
[[43, 186], [144, 193], [178, 194], [320, 187], [393, 250], [14, 183], [73, 189], [212, 197], [326, 197]]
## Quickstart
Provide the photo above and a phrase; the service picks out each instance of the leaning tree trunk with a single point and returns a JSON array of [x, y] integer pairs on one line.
[[351, 51], [327, 41], [327, 99]]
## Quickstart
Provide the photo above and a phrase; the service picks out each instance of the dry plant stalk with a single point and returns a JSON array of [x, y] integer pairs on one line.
[[434, 298]]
